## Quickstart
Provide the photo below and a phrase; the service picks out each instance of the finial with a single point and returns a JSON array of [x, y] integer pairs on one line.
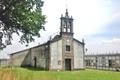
[[66, 14], [83, 40]]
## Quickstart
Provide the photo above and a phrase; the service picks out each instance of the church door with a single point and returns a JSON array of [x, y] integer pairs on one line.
[[67, 64], [35, 62]]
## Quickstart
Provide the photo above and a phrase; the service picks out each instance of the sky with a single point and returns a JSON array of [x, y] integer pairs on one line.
[[97, 21]]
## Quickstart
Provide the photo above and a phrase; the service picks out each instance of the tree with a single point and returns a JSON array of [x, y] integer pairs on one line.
[[20, 16]]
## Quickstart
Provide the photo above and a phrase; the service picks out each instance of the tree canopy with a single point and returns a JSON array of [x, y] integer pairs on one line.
[[20, 16]]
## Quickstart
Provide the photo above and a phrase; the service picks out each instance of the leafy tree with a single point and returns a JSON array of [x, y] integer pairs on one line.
[[20, 16]]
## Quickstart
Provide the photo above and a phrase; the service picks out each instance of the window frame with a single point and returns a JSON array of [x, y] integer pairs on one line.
[[67, 48]]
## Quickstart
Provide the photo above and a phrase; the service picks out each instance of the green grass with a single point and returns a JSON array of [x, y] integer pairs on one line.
[[35, 74]]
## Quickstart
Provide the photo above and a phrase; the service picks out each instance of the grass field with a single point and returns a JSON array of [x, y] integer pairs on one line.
[[35, 74]]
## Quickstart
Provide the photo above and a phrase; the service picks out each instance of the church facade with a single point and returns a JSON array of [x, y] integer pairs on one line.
[[63, 52]]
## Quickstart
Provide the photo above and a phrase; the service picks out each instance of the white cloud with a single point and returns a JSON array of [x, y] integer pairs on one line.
[[103, 46], [112, 41]]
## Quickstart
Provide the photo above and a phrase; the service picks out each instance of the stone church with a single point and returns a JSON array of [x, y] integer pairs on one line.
[[63, 52]]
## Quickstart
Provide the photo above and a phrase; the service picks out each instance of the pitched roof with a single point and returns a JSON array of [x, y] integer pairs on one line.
[[79, 41]]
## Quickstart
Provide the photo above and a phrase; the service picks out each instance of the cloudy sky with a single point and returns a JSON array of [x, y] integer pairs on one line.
[[97, 21]]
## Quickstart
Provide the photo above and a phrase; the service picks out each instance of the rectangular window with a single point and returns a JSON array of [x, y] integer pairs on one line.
[[67, 47], [110, 63]]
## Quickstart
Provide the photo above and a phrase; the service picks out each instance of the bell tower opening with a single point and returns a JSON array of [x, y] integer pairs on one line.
[[66, 26]]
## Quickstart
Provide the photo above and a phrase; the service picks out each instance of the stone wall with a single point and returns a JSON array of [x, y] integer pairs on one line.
[[56, 55], [42, 56], [27, 57], [78, 55], [21, 58]]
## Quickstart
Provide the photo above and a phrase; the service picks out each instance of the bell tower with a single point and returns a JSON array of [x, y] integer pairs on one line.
[[66, 32], [66, 26]]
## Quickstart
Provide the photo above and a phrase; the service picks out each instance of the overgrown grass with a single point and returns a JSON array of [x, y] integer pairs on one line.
[[36, 74]]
